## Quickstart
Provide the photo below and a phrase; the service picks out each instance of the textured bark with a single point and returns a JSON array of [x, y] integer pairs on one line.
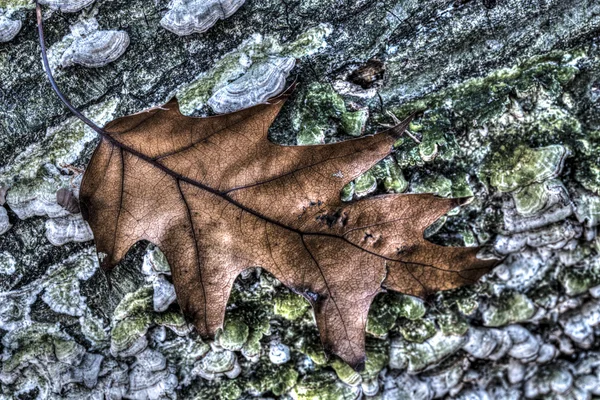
[[508, 96]]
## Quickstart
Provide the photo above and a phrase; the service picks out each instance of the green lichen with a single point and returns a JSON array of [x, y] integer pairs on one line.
[[463, 300], [345, 373], [136, 303], [230, 390], [488, 119], [16, 4], [276, 379], [309, 42], [417, 330], [451, 323], [62, 145], [588, 168], [435, 184], [524, 166], [134, 315], [93, 329], [390, 175], [587, 209], [290, 306], [469, 238], [365, 184], [174, 320], [347, 192], [217, 362], [31, 344], [382, 316], [386, 309], [385, 175], [531, 199], [322, 386], [377, 359], [323, 111], [126, 332], [68, 351], [310, 347], [467, 305], [510, 308], [576, 282], [436, 143], [353, 123], [235, 334], [411, 307]]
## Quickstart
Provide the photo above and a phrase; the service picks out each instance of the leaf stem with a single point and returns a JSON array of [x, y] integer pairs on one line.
[[61, 96]]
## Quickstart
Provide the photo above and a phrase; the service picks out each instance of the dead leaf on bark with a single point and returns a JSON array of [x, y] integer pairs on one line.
[[218, 197]]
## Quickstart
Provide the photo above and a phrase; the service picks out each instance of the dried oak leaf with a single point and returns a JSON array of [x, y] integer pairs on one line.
[[218, 197]]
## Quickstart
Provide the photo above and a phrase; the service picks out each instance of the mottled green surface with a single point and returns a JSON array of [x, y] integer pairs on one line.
[[507, 95]]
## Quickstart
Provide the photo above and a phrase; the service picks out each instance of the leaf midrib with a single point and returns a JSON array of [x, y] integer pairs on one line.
[[226, 197]]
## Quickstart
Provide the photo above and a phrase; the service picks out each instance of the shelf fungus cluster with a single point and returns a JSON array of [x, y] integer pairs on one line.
[[9, 28], [68, 6], [536, 205], [94, 48], [189, 16], [262, 81]]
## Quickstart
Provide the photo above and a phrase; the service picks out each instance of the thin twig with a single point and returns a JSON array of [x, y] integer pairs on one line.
[[61, 96], [398, 122]]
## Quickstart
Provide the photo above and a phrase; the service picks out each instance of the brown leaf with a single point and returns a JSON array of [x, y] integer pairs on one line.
[[218, 197], [67, 200]]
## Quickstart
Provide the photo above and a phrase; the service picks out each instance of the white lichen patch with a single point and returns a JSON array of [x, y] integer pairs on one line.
[[151, 377], [553, 237], [36, 174], [60, 287], [8, 264], [279, 353], [415, 357], [62, 283], [163, 295], [5, 224], [62, 145], [521, 271], [70, 228], [87, 45], [587, 209], [155, 263], [37, 197], [579, 325], [43, 356]]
